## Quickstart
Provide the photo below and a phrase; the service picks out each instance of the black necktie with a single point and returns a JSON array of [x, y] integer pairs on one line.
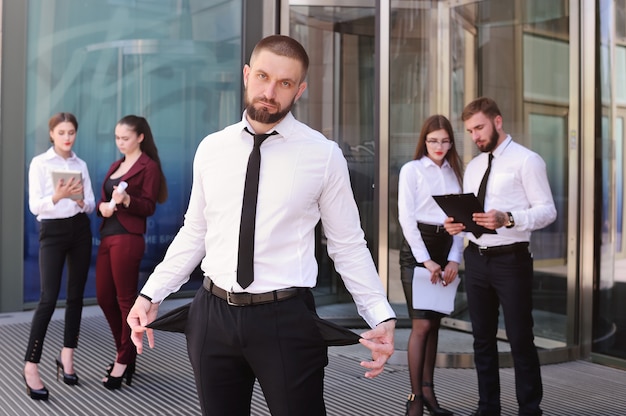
[[482, 190], [245, 259]]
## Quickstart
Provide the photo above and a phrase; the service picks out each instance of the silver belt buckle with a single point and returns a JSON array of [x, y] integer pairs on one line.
[[482, 250], [230, 301]]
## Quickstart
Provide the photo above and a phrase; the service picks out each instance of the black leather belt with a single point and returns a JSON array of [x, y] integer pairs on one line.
[[430, 228], [248, 299], [499, 250]]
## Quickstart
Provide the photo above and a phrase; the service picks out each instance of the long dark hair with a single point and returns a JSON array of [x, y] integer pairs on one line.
[[434, 123], [59, 118], [140, 126]]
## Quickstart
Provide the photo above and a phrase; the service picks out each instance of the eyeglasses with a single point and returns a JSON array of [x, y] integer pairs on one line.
[[443, 143]]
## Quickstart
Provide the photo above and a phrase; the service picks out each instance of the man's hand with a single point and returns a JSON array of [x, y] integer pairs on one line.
[[491, 219], [380, 341], [453, 228], [141, 314]]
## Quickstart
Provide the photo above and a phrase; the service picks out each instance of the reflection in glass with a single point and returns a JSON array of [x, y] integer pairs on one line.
[[176, 63], [609, 336], [339, 102]]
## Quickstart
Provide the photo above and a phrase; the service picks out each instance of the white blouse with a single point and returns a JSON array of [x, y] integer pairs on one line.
[[41, 187], [419, 180]]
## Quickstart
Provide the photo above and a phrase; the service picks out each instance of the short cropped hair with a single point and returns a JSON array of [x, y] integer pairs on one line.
[[484, 105], [283, 46]]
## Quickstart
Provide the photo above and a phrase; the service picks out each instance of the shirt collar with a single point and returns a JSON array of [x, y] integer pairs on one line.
[[286, 125], [426, 161], [500, 149], [51, 154]]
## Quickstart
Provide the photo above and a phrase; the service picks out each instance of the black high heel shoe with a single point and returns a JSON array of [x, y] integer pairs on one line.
[[39, 394], [69, 379], [114, 383], [412, 398], [434, 408], [109, 368]]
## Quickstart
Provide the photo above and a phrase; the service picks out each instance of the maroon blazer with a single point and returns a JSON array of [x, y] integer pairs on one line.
[[144, 182]]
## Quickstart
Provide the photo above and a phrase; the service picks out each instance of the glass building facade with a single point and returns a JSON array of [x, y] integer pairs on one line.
[[557, 69]]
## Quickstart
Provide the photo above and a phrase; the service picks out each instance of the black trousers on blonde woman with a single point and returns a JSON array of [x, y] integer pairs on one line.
[[62, 242]]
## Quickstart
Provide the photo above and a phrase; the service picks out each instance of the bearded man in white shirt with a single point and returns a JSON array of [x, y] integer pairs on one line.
[[233, 340], [499, 266]]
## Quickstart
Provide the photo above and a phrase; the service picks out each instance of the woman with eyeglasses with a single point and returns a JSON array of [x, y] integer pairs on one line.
[[436, 169]]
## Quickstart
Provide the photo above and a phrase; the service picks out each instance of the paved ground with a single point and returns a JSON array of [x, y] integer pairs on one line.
[[164, 386]]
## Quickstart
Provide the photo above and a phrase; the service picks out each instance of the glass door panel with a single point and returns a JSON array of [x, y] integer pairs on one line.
[[481, 34], [548, 132], [177, 63], [609, 323], [413, 78], [338, 102]]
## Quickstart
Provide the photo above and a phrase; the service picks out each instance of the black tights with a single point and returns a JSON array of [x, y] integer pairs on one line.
[[422, 354]]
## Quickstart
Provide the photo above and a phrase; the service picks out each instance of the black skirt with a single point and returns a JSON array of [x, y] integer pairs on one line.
[[438, 244]]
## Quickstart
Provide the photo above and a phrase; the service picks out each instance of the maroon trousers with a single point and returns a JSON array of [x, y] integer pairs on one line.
[[117, 277]]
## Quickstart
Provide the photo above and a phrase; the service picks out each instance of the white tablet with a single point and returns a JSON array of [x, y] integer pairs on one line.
[[66, 175]]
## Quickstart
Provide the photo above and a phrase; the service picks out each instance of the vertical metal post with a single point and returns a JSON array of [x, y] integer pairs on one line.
[[383, 13]]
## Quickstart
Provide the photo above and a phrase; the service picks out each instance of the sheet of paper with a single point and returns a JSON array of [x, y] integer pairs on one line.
[[434, 297]]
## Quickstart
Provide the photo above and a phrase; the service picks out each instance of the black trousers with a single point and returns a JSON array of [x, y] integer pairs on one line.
[[491, 281], [61, 242], [277, 343]]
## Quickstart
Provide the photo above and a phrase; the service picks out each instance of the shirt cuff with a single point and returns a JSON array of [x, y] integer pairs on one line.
[[145, 297], [387, 320]]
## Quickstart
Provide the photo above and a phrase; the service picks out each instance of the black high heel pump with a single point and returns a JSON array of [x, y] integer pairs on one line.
[[434, 408], [35, 394], [413, 398], [69, 379], [114, 383]]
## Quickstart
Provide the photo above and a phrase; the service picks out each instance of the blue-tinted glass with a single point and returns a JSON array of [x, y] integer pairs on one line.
[[175, 62]]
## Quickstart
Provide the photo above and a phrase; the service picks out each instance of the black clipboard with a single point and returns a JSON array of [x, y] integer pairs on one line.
[[461, 207]]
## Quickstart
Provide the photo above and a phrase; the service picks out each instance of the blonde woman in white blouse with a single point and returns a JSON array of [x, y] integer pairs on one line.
[[434, 170], [64, 240]]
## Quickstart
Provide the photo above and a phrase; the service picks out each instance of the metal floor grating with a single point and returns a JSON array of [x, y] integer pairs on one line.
[[163, 384]]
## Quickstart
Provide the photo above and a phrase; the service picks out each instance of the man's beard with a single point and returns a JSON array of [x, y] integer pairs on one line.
[[263, 116], [493, 140]]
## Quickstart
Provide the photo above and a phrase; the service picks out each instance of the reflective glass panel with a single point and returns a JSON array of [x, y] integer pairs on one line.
[[609, 324], [177, 63], [445, 54], [338, 102]]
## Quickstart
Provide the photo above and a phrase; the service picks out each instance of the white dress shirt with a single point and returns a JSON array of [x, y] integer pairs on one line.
[[518, 183], [303, 177], [418, 181], [41, 188]]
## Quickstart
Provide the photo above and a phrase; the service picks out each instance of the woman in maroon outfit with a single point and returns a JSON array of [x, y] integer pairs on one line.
[[122, 235]]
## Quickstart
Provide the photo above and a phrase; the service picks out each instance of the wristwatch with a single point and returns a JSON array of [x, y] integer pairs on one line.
[[511, 221]]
